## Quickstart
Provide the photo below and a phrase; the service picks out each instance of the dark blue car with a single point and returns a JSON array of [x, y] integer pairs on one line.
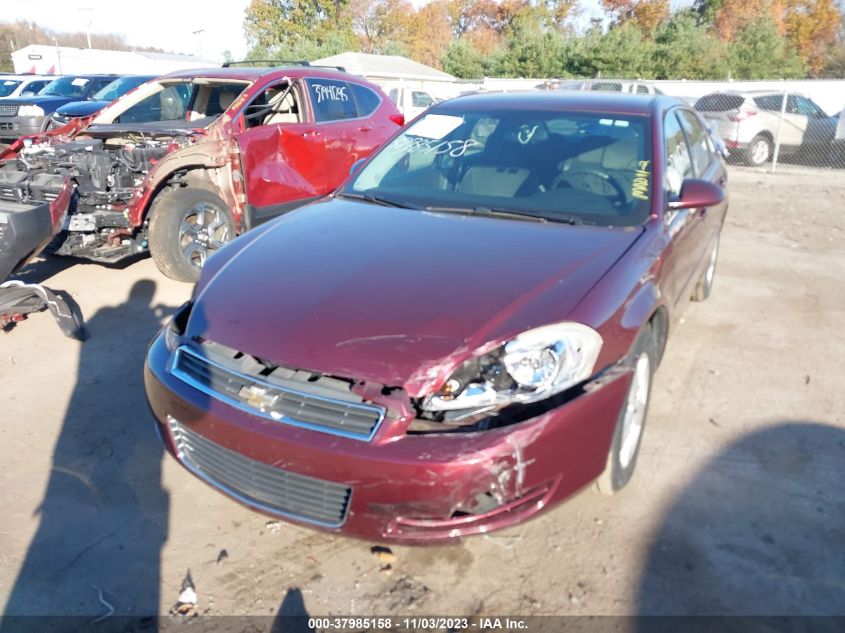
[[98, 101], [30, 115]]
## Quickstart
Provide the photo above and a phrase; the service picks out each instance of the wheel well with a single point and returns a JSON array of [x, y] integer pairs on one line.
[[767, 135], [659, 322]]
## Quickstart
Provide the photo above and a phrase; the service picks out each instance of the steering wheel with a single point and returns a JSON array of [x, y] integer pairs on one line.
[[600, 180]]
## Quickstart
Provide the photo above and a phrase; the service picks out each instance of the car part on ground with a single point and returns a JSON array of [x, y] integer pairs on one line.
[[32, 210], [261, 141], [394, 391]]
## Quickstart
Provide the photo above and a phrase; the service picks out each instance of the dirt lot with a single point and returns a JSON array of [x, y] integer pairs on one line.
[[738, 505]]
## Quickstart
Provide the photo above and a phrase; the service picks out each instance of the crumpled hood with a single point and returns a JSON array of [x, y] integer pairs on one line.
[[383, 294]]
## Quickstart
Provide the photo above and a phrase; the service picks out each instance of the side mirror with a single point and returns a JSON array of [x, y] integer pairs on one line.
[[697, 194], [356, 166]]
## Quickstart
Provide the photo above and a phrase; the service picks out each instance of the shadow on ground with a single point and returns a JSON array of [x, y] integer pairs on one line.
[[104, 516], [759, 531]]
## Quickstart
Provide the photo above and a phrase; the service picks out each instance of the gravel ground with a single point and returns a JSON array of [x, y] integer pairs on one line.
[[737, 506]]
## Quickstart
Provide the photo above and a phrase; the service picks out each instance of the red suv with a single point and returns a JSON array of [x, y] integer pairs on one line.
[[184, 163]]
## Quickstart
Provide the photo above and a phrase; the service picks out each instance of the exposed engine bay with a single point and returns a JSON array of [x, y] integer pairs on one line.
[[106, 174]]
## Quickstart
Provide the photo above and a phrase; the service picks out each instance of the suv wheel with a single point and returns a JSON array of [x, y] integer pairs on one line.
[[188, 225], [759, 151]]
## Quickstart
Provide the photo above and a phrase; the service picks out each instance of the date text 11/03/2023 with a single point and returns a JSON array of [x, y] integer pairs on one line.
[[420, 623]]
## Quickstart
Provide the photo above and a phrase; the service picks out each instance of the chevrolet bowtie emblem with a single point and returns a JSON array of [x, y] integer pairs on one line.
[[258, 397]]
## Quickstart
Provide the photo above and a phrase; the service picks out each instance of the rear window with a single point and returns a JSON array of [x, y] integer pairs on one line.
[[607, 86], [719, 102], [367, 100]]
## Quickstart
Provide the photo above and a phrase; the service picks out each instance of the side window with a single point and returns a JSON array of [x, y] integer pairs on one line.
[[332, 100], [678, 161], [642, 90], [697, 137], [277, 103], [36, 86], [421, 99], [96, 84], [394, 95], [769, 102], [367, 100], [792, 105], [808, 108]]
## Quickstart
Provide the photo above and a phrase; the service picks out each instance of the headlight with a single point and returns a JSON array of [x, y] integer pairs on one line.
[[175, 328], [30, 110], [532, 366]]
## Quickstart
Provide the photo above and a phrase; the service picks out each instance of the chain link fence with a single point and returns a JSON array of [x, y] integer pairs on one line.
[[772, 128]]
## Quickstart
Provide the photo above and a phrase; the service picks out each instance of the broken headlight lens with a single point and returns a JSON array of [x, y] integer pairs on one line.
[[175, 328], [532, 366]]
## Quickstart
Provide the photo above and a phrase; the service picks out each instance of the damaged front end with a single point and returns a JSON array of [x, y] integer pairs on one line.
[[406, 473], [107, 174]]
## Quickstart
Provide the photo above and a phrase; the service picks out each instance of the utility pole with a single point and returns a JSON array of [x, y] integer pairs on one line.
[[198, 34], [88, 23]]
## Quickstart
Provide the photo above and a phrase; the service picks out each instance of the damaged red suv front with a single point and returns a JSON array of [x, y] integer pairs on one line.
[[465, 333]]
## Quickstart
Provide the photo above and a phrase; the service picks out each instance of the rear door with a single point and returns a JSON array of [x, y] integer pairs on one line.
[[339, 126], [821, 127], [282, 152]]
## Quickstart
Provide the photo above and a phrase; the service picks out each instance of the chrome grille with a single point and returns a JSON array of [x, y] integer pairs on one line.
[[256, 394], [8, 110], [259, 485]]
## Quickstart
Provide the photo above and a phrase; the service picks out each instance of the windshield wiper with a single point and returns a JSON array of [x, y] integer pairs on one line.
[[367, 197], [506, 213]]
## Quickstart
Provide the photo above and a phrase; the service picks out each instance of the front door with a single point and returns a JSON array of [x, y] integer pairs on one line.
[[282, 153]]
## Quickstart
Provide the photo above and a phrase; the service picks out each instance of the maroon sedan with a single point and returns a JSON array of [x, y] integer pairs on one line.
[[461, 336]]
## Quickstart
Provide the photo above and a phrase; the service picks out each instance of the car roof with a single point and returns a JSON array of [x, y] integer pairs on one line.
[[251, 73], [616, 102], [24, 77]]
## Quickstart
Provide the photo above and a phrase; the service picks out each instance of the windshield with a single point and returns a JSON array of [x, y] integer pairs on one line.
[[118, 88], [7, 87], [198, 101], [576, 166], [65, 87]]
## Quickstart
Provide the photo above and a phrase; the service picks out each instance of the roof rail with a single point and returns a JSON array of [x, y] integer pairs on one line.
[[282, 62], [278, 62]]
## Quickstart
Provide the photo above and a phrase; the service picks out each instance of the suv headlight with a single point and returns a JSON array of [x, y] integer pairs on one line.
[[531, 366], [30, 110]]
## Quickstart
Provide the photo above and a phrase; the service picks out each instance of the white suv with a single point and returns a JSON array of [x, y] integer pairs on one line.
[[22, 85], [748, 124]]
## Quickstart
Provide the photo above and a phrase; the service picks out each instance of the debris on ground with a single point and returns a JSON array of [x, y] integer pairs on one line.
[[187, 603], [384, 554], [406, 593], [274, 527], [223, 555]]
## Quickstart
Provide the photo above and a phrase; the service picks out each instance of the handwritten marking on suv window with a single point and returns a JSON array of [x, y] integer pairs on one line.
[[639, 186], [330, 93]]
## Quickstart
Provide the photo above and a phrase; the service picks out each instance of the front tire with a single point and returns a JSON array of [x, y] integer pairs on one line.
[[625, 445], [187, 226]]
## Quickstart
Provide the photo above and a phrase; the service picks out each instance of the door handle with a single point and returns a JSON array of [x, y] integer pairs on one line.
[[365, 129]]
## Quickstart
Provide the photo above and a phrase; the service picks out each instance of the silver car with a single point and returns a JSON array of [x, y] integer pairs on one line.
[[749, 123]]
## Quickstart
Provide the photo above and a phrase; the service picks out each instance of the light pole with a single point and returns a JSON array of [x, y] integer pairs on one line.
[[198, 34]]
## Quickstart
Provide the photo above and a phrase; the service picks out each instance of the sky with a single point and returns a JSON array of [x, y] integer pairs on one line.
[[166, 24]]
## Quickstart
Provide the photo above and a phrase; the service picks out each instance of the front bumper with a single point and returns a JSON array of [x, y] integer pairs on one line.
[[406, 488], [12, 127]]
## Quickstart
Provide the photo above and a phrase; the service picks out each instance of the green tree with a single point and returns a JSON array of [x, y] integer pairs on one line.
[[685, 50], [759, 51], [623, 51], [463, 60], [299, 28]]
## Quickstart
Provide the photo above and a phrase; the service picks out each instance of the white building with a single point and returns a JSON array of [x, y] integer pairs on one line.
[[393, 71], [64, 60]]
